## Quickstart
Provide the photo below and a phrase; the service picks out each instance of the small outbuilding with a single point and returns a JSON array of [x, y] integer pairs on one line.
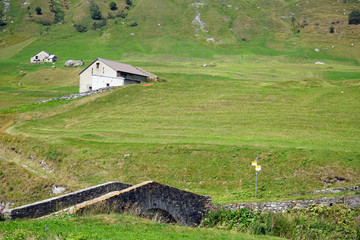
[[103, 73], [43, 57]]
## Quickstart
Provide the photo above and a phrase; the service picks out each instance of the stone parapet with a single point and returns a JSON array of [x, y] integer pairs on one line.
[[45, 207]]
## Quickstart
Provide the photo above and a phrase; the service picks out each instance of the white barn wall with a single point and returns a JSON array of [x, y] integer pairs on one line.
[[99, 81], [86, 77], [85, 80], [97, 75]]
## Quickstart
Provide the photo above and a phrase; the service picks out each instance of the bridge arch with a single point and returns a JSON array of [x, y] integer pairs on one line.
[[158, 215], [186, 208]]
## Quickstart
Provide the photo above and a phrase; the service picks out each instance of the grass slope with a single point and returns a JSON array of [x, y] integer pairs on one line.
[[109, 227], [260, 95], [200, 131]]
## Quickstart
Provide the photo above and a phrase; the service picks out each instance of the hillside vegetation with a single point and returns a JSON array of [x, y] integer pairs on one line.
[[111, 227], [260, 95]]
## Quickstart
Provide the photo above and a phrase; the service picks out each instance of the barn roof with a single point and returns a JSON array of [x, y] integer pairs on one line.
[[117, 66], [41, 52]]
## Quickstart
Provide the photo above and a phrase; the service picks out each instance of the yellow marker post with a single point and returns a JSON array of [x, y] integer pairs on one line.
[[257, 169]]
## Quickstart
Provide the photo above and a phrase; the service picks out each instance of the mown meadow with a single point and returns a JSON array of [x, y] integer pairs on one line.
[[247, 87], [199, 128]]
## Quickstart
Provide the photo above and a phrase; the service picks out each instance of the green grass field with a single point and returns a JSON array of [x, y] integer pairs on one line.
[[260, 95], [201, 127], [110, 227]]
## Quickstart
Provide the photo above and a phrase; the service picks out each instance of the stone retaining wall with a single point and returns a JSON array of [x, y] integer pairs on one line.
[[337, 190], [51, 205], [280, 207], [76, 95], [330, 190]]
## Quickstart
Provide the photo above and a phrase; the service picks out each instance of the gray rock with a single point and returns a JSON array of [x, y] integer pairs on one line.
[[57, 189], [74, 63]]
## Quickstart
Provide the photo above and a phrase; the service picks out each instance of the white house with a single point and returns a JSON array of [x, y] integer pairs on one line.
[[103, 73], [43, 57]]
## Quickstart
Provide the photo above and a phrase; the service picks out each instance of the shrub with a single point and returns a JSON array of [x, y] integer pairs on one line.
[[2, 217], [129, 2], [358, 227], [95, 11], [240, 219], [54, 155], [38, 10], [58, 12], [354, 17], [122, 14], [80, 28], [133, 24], [59, 15], [316, 222], [2, 22], [99, 24], [332, 29], [44, 21], [113, 6], [111, 16]]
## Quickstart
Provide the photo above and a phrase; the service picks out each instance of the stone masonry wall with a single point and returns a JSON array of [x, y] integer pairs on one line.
[[185, 207], [76, 95], [280, 207], [51, 205]]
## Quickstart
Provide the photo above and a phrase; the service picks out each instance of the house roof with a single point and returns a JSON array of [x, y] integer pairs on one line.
[[41, 52], [117, 66]]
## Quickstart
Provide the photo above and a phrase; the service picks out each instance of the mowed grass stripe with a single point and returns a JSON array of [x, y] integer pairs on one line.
[[220, 112]]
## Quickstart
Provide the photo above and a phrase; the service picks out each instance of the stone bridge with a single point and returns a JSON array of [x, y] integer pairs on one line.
[[148, 199]]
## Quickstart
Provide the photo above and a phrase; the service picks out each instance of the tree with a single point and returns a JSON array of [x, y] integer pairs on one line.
[[129, 2], [95, 11], [80, 28], [354, 17], [113, 6], [2, 22], [38, 10]]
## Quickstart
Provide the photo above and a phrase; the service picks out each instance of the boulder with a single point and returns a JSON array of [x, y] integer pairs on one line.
[[74, 63]]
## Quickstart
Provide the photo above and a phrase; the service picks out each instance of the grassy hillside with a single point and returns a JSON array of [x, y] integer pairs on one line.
[[201, 130], [110, 227], [260, 95]]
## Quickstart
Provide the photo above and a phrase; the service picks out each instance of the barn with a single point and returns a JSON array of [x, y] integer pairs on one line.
[[43, 57], [103, 73]]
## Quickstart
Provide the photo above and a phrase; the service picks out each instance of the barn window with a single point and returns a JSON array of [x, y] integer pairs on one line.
[[97, 65], [108, 84], [90, 88]]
